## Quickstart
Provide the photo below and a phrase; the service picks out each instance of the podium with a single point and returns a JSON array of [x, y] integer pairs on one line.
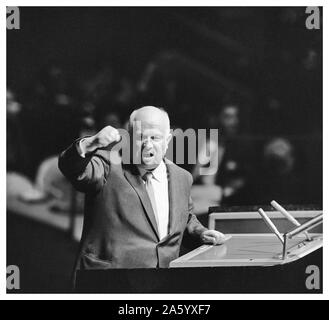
[[249, 250], [258, 248], [249, 262]]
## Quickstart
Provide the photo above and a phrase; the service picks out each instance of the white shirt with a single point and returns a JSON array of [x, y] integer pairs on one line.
[[159, 183]]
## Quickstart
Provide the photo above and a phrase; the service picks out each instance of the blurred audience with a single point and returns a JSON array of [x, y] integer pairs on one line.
[[16, 152], [60, 108], [230, 152], [278, 176]]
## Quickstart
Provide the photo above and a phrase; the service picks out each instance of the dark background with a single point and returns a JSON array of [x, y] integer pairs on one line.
[[192, 61]]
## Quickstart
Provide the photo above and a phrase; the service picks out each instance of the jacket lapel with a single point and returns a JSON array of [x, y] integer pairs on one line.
[[173, 193], [132, 175]]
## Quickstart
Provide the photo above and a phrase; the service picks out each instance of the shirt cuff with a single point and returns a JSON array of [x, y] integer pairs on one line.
[[81, 151]]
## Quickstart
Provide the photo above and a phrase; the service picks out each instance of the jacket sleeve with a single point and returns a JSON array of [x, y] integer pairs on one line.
[[194, 226], [87, 174]]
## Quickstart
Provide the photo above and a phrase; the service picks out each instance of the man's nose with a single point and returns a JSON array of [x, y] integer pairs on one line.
[[147, 143]]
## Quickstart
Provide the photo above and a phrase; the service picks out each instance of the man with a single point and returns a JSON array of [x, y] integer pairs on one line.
[[136, 213]]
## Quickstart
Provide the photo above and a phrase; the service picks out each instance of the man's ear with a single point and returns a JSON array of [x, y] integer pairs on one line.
[[168, 138]]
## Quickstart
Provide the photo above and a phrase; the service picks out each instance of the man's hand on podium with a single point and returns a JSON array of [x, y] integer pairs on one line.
[[213, 237]]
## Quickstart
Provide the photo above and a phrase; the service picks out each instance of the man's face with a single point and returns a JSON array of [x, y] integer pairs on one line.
[[150, 140]]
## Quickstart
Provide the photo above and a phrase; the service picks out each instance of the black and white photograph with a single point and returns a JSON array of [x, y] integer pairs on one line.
[[164, 150]]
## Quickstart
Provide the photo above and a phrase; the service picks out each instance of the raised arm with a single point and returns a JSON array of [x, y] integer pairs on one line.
[[85, 163]]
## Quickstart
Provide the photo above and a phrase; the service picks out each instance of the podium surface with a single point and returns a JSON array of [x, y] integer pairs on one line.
[[249, 250]]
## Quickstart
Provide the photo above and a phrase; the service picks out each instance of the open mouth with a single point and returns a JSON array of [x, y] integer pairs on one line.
[[148, 155]]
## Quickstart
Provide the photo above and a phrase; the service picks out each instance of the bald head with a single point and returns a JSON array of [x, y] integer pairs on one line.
[[150, 133], [151, 115]]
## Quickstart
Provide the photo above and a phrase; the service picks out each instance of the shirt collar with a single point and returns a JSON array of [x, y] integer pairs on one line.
[[159, 173]]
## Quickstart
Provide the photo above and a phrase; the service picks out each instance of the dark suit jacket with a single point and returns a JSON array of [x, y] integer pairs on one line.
[[119, 227]]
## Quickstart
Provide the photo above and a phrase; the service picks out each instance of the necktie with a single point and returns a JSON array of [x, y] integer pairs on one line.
[[149, 188]]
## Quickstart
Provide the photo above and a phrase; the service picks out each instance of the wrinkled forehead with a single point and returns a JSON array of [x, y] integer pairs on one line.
[[145, 122], [146, 127]]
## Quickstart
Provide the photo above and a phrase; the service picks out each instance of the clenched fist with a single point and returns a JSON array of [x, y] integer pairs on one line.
[[101, 140]]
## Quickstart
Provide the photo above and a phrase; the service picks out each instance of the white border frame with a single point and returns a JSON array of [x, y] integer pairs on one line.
[[232, 3]]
